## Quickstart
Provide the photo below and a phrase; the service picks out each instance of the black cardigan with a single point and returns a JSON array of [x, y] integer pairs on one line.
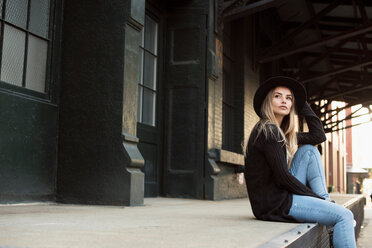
[[270, 185]]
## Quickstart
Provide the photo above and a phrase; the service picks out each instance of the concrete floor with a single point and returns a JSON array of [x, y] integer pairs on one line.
[[365, 236], [161, 222]]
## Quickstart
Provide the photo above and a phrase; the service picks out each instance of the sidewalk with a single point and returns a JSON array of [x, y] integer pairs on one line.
[[365, 237], [162, 222]]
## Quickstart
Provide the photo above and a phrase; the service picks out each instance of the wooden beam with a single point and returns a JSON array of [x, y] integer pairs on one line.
[[250, 9], [336, 71], [324, 41], [304, 25]]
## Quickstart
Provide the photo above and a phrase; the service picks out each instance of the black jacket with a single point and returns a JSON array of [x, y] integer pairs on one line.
[[270, 185]]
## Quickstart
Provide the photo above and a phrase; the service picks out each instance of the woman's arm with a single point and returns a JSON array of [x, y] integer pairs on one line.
[[275, 156], [316, 133]]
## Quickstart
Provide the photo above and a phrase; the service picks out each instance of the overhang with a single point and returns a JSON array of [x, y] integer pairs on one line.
[[327, 45]]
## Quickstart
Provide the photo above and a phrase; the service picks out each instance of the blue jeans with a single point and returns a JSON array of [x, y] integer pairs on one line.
[[307, 167]]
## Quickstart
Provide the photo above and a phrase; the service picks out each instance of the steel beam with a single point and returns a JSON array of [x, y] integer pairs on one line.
[[340, 19], [349, 91], [303, 26], [322, 26], [324, 41], [348, 2], [350, 116], [322, 56], [249, 9], [326, 130], [350, 104], [362, 11], [337, 71]]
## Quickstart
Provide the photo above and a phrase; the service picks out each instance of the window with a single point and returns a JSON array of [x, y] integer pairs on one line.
[[228, 107], [24, 43], [148, 67], [233, 91]]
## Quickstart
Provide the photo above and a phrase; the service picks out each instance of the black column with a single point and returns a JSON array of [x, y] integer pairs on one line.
[[92, 161]]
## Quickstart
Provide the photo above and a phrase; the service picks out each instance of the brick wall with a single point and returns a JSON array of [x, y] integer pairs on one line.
[[223, 181], [250, 84], [215, 105]]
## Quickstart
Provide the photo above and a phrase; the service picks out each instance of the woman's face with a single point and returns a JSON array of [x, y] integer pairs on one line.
[[282, 101]]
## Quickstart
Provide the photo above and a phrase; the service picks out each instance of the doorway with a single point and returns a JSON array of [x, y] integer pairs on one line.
[[149, 106]]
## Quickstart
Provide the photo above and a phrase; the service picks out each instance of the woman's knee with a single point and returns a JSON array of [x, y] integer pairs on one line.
[[309, 148], [347, 215]]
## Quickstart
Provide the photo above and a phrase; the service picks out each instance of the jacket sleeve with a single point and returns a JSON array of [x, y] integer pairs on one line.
[[316, 133], [275, 156]]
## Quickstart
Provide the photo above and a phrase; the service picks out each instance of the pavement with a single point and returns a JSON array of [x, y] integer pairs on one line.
[[161, 222], [365, 236]]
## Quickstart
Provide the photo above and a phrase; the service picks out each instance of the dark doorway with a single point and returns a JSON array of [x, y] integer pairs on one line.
[[149, 102]]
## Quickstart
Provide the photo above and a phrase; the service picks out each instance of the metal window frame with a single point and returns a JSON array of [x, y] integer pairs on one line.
[[141, 84], [5, 86]]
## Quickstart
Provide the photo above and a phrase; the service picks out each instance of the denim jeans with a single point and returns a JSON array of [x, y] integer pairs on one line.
[[307, 167]]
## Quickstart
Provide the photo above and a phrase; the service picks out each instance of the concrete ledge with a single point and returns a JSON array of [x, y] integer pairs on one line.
[[223, 181], [315, 235], [224, 156], [301, 236]]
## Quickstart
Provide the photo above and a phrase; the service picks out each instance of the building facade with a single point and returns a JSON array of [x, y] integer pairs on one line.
[[111, 102], [108, 102]]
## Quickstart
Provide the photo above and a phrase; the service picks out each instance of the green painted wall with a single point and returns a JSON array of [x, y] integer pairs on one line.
[[28, 137]]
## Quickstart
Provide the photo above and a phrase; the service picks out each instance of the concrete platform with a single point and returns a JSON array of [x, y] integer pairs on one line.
[[162, 222], [365, 237]]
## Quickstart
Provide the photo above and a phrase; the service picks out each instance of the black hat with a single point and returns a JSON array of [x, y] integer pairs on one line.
[[295, 86]]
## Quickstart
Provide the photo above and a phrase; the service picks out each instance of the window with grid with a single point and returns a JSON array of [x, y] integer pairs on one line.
[[228, 104], [24, 43], [148, 67], [233, 90], [228, 110]]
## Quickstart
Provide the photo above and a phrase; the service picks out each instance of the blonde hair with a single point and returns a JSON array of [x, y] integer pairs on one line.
[[287, 129]]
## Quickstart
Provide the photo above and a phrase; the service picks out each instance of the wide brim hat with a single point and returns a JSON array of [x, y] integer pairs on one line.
[[295, 86]]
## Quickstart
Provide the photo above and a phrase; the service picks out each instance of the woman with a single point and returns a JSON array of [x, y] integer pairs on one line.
[[277, 173]]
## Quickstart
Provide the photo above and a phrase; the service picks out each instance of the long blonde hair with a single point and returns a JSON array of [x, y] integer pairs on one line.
[[287, 129]]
